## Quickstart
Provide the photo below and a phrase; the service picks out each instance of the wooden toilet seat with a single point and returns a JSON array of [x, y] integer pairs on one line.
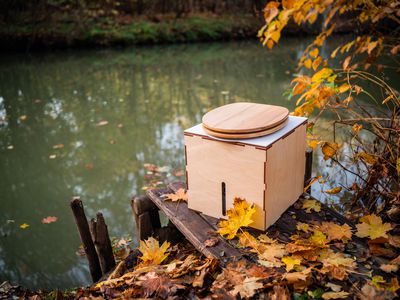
[[244, 120]]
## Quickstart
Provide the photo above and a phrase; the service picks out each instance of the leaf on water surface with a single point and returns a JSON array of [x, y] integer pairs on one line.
[[334, 191], [102, 123], [52, 156], [178, 173], [310, 204], [58, 146], [49, 220], [23, 117], [24, 226], [178, 195], [372, 226]]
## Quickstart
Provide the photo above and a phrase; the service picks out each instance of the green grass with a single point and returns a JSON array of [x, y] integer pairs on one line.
[[104, 32]]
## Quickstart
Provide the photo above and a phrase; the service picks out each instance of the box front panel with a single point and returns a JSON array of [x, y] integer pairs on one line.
[[218, 170]]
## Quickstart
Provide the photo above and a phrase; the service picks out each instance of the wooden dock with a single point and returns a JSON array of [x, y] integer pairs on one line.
[[198, 228]]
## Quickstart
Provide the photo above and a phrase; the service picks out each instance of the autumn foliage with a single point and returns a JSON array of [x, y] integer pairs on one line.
[[318, 261], [356, 92]]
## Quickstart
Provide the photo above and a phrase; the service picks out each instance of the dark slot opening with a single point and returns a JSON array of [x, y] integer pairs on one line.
[[223, 198]]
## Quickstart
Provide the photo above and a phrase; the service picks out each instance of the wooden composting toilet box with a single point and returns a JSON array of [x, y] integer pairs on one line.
[[247, 150]]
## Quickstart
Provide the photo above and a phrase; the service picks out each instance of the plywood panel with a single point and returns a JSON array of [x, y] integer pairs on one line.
[[241, 167], [285, 169]]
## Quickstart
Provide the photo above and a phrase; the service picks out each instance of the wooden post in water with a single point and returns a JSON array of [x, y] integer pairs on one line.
[[308, 172], [102, 242], [86, 238]]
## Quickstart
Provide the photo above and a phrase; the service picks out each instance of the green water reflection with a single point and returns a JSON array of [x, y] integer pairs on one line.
[[153, 92]]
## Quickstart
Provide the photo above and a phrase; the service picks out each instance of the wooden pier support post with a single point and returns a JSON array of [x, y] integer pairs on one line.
[[86, 238], [146, 217], [102, 242], [308, 172]]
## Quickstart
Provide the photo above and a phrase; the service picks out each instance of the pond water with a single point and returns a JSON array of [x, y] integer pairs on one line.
[[148, 96]]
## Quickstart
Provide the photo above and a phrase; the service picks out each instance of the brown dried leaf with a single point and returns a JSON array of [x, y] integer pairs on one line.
[[178, 195]]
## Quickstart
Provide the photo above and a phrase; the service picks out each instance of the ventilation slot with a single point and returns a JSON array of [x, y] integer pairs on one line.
[[223, 198]]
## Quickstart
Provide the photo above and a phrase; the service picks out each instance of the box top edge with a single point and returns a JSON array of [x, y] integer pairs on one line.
[[263, 141]]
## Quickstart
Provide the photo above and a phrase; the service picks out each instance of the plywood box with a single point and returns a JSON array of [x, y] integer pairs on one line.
[[267, 171]]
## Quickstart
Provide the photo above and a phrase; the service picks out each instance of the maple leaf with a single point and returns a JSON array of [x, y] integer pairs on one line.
[[178, 195], [248, 287], [336, 264], [371, 226], [152, 252], [318, 238], [310, 204], [247, 240], [302, 226], [291, 262], [238, 216], [297, 276], [272, 251], [335, 295], [49, 220], [24, 226], [336, 232]]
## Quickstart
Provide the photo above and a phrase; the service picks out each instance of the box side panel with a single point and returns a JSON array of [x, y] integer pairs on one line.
[[284, 173], [210, 163]]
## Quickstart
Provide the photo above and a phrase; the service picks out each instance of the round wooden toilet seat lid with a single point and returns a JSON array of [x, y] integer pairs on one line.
[[244, 119]]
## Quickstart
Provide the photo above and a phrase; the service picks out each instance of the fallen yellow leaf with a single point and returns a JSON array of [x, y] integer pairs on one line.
[[291, 262], [371, 226], [310, 204], [153, 254], [238, 216]]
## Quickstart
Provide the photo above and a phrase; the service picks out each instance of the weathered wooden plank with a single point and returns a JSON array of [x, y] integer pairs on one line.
[[102, 242], [195, 228], [285, 226]]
